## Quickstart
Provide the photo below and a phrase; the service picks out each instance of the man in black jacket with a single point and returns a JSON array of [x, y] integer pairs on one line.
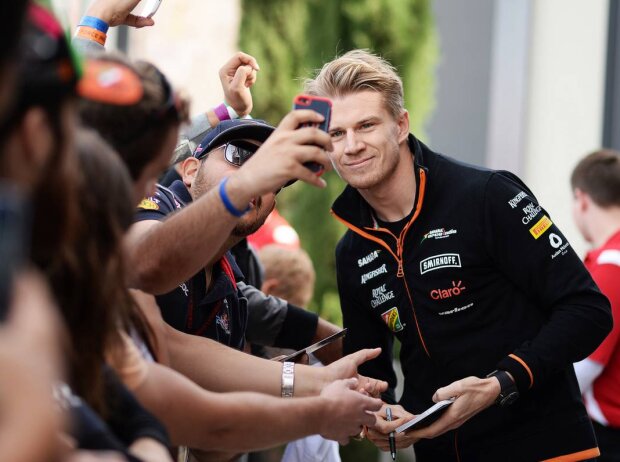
[[468, 271]]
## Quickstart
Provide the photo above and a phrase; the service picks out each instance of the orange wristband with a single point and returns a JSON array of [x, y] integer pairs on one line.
[[90, 33]]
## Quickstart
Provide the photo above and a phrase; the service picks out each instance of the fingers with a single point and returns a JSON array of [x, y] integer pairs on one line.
[[351, 383], [374, 387], [244, 77], [237, 60], [138, 22]]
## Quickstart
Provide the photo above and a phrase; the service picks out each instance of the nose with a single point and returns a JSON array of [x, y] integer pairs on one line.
[[352, 143]]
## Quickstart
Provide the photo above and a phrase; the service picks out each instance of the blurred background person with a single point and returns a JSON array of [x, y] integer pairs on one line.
[[596, 207]]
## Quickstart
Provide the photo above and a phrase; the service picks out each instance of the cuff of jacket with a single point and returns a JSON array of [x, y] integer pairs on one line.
[[298, 329], [520, 371]]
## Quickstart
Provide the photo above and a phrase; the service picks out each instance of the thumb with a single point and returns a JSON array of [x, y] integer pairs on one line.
[[351, 383], [360, 357], [445, 393]]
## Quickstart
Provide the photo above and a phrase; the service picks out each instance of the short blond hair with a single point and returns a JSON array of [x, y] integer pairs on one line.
[[293, 270], [359, 70]]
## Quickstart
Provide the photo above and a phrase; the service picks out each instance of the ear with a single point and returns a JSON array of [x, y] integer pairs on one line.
[[189, 169], [582, 200], [269, 285], [403, 126]]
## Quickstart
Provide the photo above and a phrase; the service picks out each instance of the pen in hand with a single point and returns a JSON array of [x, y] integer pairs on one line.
[[388, 417]]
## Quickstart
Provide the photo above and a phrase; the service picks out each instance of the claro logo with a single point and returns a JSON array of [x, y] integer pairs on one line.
[[454, 291]]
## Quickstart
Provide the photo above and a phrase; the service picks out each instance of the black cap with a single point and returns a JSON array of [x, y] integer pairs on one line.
[[235, 129]]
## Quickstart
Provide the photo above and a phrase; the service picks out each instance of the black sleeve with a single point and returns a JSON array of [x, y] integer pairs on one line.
[[92, 433], [364, 331], [532, 252], [298, 328], [127, 418]]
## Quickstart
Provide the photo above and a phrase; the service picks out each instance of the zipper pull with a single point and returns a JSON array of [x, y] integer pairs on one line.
[[401, 272]]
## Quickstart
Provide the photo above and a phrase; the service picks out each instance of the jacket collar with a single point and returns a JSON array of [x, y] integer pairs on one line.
[[352, 208]]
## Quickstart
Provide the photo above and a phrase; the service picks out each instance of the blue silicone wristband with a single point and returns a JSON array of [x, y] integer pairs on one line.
[[226, 201], [95, 23]]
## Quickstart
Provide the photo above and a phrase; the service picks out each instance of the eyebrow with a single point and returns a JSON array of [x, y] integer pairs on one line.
[[358, 123]]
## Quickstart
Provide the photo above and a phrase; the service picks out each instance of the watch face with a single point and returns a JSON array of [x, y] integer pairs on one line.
[[509, 399]]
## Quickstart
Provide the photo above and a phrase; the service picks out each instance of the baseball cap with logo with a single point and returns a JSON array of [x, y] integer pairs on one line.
[[236, 131]]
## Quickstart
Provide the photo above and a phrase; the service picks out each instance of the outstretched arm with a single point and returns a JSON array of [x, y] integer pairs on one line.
[[188, 239]]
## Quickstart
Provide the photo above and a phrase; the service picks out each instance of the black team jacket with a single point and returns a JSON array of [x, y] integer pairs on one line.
[[479, 279]]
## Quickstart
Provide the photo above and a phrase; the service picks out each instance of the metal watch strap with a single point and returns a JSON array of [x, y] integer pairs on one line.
[[288, 379]]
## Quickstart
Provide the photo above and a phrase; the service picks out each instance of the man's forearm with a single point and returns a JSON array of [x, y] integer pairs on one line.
[[228, 421], [171, 252], [333, 351], [204, 361]]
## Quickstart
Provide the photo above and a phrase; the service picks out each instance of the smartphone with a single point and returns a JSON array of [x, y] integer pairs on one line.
[[14, 239], [427, 417], [315, 346], [149, 8], [322, 106]]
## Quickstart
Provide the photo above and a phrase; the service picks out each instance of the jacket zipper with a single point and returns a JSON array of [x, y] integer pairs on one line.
[[398, 256]]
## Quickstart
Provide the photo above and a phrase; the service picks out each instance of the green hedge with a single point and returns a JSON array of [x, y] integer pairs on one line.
[[291, 38]]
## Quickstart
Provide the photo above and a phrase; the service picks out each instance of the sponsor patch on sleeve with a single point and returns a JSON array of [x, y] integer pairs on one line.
[[392, 318], [148, 204], [541, 227]]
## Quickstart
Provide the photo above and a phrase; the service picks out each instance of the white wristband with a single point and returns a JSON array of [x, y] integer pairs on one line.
[[231, 112], [288, 379]]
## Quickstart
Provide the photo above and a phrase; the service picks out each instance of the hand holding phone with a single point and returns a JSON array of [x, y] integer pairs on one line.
[[324, 107], [427, 417], [149, 8]]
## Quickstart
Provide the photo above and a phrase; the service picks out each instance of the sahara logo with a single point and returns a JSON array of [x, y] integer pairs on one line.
[[368, 258], [392, 319]]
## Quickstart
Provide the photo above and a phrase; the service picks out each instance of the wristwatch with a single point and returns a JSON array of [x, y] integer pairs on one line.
[[508, 390]]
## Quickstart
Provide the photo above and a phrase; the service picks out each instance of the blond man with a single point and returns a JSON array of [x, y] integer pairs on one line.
[[465, 268]]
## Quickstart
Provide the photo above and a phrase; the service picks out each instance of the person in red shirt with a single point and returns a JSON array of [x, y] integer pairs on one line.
[[596, 185]]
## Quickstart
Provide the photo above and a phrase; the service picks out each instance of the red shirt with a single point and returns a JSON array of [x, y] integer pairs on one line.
[[604, 265]]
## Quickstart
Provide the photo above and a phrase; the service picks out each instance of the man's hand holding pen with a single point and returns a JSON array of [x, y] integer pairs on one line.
[[379, 433]]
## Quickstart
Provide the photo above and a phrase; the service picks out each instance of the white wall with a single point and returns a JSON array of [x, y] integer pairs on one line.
[[189, 42], [564, 115]]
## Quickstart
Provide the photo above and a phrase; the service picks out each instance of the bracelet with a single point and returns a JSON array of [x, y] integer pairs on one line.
[[226, 201], [95, 23], [221, 112], [89, 33], [231, 112], [288, 379]]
